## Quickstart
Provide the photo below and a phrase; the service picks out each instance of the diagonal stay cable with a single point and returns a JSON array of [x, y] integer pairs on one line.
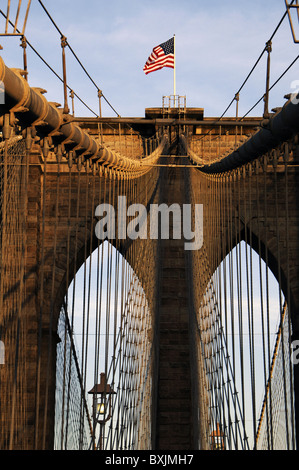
[[273, 85], [257, 61], [76, 57], [51, 68], [77, 366], [249, 75]]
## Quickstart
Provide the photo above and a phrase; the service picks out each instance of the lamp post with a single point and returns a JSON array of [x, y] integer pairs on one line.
[[102, 404], [217, 438]]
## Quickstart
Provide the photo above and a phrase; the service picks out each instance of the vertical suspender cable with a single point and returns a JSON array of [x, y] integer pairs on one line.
[[286, 184], [52, 300], [275, 162], [41, 291]]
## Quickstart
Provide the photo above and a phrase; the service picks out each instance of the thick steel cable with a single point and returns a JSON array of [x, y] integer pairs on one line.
[[267, 298], [41, 313], [237, 431], [75, 361], [246, 79], [51, 313], [75, 269], [83, 371], [288, 295], [87, 278], [99, 278], [76, 57], [275, 155], [272, 86], [52, 70], [240, 307], [250, 278], [67, 304], [13, 206], [262, 294], [229, 391]]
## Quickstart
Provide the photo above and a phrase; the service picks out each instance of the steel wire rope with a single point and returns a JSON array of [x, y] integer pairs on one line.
[[130, 338], [4, 202], [18, 182], [75, 55], [234, 392], [257, 61], [73, 353], [84, 320], [227, 390], [108, 305], [235, 400], [231, 279], [288, 294], [124, 368], [275, 161], [41, 289], [13, 173], [219, 279], [126, 377], [74, 281], [52, 294], [233, 275], [123, 307], [219, 401], [225, 270], [228, 380], [123, 321], [251, 297], [99, 268], [217, 340], [237, 406], [100, 296], [123, 267], [248, 76], [230, 366], [24, 198], [249, 293], [118, 339], [232, 288], [240, 309], [144, 363], [272, 86], [114, 305], [51, 68], [88, 176], [267, 298], [118, 269], [137, 314], [261, 293], [67, 304]]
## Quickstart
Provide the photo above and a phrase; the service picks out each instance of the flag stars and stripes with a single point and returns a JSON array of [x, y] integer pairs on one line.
[[161, 56]]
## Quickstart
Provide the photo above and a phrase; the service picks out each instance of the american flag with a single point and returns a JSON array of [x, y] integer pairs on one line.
[[161, 56]]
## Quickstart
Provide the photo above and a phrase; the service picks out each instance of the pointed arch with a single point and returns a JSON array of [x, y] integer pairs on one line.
[[111, 323], [244, 344]]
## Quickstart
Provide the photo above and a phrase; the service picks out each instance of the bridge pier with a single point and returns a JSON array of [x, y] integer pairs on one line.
[[174, 430]]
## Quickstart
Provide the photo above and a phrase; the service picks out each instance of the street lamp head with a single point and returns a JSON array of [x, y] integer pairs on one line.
[[102, 394]]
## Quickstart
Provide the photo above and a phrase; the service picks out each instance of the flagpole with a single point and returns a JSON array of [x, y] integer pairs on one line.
[[174, 84]]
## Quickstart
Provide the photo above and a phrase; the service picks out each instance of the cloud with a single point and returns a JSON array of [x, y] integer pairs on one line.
[[216, 46]]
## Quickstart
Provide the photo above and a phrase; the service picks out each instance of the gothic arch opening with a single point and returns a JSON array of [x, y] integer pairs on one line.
[[104, 355], [244, 349]]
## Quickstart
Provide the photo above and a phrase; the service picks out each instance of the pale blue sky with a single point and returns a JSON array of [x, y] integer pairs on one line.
[[216, 45]]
